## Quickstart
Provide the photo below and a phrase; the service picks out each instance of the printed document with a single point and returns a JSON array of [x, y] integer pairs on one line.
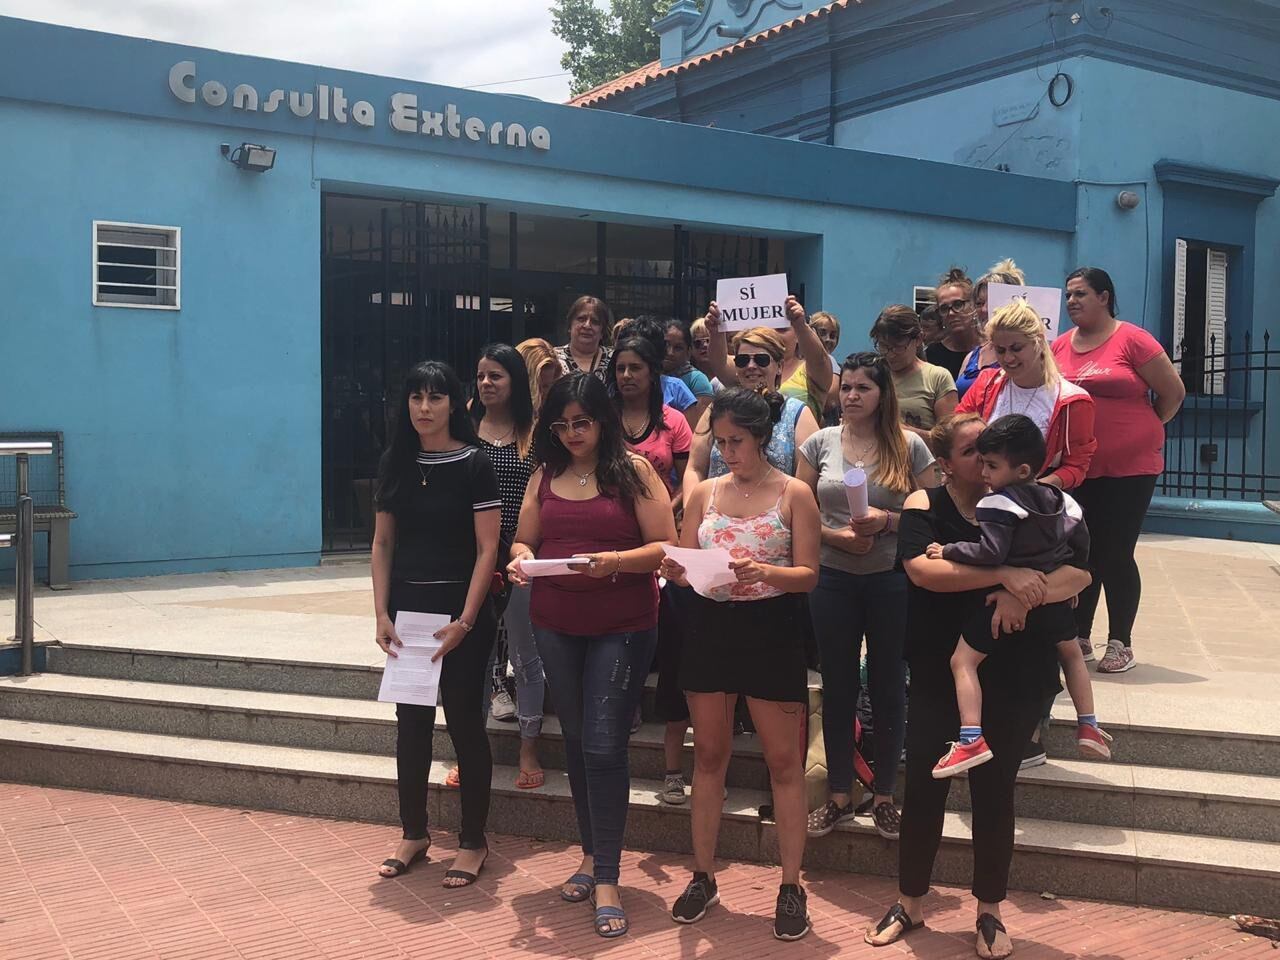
[[410, 676], [704, 569]]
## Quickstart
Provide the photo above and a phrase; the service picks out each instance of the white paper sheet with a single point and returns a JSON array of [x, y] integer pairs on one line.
[[550, 568], [747, 302], [410, 676], [1046, 301], [704, 569]]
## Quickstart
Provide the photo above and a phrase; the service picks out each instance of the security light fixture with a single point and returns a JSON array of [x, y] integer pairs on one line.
[[251, 156]]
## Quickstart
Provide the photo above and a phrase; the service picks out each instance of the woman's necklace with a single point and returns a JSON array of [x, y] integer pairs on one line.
[[626, 425], [582, 477], [424, 475], [861, 453], [972, 516], [499, 440], [746, 494]]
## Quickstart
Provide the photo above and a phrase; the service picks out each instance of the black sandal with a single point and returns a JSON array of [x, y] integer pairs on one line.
[[399, 866], [895, 915], [988, 926], [469, 878]]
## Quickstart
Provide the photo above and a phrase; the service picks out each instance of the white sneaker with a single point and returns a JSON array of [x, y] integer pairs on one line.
[[1086, 649], [503, 707], [673, 789]]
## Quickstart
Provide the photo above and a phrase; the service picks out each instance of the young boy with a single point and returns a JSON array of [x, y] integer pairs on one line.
[[1023, 524]]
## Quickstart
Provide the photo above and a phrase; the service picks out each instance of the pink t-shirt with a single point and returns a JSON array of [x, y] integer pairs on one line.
[[1130, 435], [661, 447]]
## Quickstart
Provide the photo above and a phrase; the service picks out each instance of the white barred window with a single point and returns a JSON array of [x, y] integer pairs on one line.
[[136, 265]]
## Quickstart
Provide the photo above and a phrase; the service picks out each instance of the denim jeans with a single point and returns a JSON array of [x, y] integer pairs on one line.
[[596, 683], [845, 607], [531, 684]]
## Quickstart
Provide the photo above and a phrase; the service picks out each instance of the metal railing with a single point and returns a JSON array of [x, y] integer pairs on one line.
[[24, 568], [1219, 446]]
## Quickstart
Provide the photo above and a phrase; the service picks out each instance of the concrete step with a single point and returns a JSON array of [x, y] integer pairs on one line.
[[263, 673], [1111, 863], [1077, 791]]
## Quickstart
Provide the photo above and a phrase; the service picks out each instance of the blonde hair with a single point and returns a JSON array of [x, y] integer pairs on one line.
[[1006, 271], [537, 354], [764, 338], [1019, 317], [698, 329], [822, 318]]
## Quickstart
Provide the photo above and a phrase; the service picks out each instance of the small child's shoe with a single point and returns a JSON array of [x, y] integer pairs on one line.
[[961, 757], [1092, 741]]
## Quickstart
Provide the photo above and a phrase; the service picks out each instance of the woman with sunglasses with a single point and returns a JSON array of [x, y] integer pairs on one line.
[[745, 642], [960, 331], [806, 370], [925, 392], [435, 546], [757, 358], [701, 355], [593, 500], [859, 593]]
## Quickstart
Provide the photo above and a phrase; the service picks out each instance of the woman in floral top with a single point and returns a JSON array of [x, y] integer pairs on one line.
[[745, 640]]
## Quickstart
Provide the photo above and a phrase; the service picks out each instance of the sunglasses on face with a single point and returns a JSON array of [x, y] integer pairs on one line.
[[952, 306], [702, 342], [578, 425], [762, 360]]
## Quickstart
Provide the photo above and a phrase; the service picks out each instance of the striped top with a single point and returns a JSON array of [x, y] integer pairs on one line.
[[434, 512]]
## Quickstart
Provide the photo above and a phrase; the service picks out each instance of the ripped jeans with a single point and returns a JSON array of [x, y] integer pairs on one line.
[[596, 683]]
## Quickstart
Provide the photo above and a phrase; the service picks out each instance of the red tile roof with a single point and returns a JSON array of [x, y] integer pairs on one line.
[[646, 74]]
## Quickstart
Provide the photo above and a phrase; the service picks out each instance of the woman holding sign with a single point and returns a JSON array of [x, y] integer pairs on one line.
[[861, 472], [745, 641], [805, 371], [607, 512], [435, 544]]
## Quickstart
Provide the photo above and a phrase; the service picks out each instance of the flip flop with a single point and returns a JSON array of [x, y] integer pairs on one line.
[[530, 779], [469, 878], [399, 866], [585, 885], [606, 914], [895, 915]]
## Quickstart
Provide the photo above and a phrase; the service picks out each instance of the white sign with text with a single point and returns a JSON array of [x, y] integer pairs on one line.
[[1046, 301], [747, 302]]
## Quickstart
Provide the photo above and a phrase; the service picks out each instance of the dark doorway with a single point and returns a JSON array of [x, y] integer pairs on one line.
[[404, 281]]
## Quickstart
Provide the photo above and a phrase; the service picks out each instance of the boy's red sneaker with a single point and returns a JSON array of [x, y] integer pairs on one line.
[[1093, 741], [961, 757]]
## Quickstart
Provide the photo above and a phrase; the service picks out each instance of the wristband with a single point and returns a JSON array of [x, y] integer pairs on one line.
[[466, 627]]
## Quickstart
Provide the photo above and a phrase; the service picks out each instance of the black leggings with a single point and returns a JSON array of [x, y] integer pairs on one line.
[[933, 718], [462, 692], [1114, 508]]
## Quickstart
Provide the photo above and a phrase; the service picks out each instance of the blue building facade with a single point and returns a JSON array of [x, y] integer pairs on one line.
[[1175, 104], [218, 345]]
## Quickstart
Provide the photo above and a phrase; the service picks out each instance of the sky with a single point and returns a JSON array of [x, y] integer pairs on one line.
[[460, 43]]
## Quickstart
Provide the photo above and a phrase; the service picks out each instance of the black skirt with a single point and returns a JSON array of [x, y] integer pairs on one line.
[[752, 648]]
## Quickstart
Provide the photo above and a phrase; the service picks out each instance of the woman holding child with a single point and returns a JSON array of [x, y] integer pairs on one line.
[[1014, 682]]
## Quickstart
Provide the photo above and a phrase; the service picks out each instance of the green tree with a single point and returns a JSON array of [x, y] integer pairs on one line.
[[606, 43]]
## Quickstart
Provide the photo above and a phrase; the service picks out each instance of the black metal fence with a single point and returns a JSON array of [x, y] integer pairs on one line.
[[1223, 443]]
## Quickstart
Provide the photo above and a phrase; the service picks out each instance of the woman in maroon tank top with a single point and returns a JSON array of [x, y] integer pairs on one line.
[[595, 630]]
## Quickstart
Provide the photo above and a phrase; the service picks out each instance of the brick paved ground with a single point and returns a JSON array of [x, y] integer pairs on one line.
[[92, 876]]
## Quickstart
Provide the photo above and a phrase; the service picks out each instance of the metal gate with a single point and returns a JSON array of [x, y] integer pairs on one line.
[[401, 281]]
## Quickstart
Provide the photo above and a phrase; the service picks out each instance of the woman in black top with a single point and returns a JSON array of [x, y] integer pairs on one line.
[[503, 415], [1014, 683], [435, 543]]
